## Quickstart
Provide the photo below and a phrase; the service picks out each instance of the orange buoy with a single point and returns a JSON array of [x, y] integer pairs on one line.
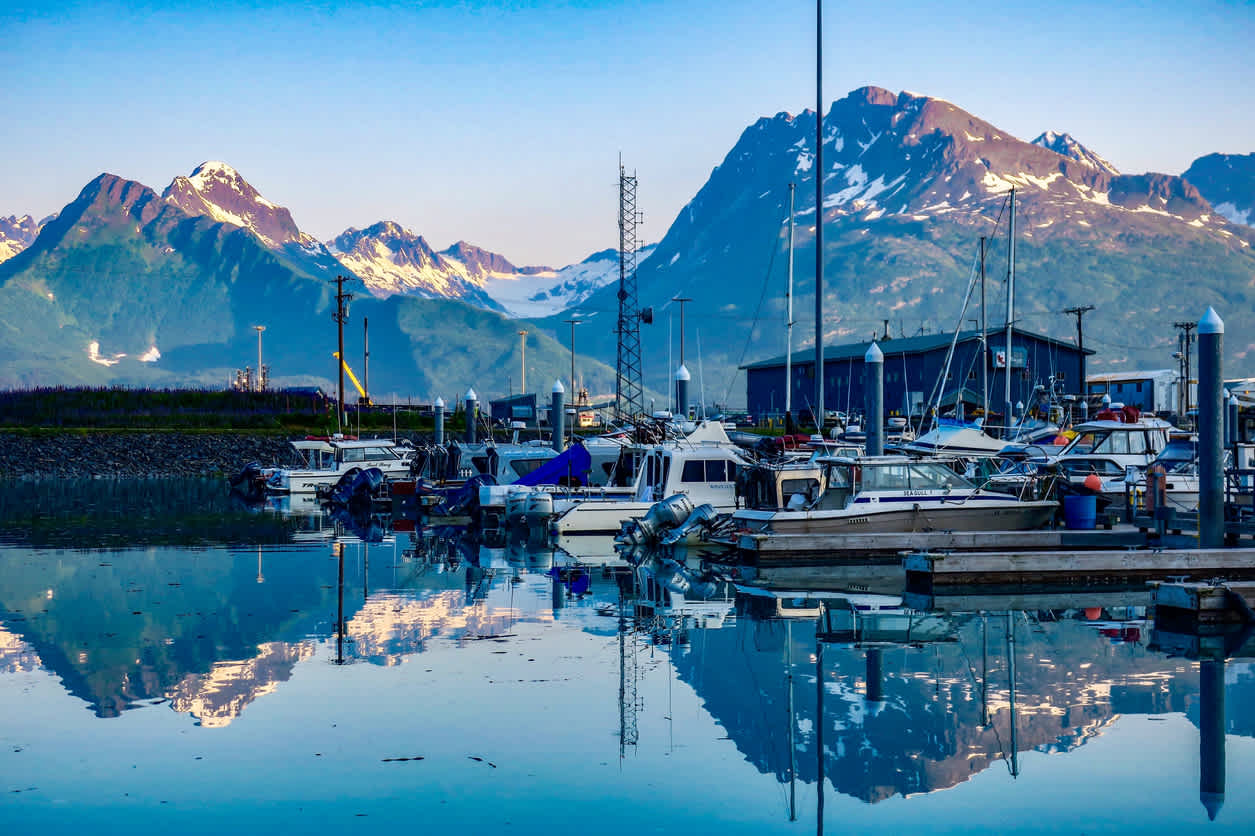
[[1094, 482]]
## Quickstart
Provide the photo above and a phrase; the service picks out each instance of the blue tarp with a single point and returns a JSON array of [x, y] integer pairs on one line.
[[570, 467]]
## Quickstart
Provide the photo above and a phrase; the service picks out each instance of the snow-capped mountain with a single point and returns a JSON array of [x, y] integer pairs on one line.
[[217, 190], [911, 185], [16, 234], [1228, 183], [390, 260], [548, 292], [393, 260], [1066, 145]]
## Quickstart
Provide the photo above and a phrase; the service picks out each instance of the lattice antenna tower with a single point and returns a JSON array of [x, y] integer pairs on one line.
[[629, 395]]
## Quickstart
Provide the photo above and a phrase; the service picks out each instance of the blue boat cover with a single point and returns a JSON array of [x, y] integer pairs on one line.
[[570, 467]]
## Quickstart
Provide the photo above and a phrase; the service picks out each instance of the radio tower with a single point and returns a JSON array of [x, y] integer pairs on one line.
[[629, 396]]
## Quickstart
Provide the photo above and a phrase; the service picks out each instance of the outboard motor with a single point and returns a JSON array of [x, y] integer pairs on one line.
[[668, 513]]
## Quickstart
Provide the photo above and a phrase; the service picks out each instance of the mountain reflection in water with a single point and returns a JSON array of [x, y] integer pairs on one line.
[[912, 703]]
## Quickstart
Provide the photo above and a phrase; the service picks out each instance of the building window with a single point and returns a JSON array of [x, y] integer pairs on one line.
[[1139, 386]]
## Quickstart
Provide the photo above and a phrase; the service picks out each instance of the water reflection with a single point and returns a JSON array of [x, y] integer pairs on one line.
[[822, 681]]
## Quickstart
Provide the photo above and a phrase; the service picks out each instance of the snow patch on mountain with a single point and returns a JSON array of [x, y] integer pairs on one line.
[[545, 294]]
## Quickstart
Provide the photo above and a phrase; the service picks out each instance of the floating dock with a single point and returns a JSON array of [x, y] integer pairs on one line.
[[835, 549], [926, 572]]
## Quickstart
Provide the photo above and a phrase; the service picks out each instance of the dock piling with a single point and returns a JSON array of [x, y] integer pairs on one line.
[[1211, 411], [682, 377], [472, 415], [874, 363], [557, 415]]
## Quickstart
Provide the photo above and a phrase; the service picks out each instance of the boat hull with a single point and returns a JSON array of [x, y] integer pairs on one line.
[[866, 518]]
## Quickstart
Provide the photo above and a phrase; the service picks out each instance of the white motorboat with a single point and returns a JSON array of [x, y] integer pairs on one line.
[[891, 494], [325, 460], [702, 465], [1109, 449]]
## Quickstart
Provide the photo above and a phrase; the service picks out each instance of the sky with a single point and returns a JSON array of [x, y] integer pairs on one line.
[[502, 123]]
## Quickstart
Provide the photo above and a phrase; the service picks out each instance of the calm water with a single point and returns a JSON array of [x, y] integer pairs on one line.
[[168, 658]]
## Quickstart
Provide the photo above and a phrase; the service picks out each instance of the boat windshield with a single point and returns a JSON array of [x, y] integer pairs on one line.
[[368, 454], [911, 476]]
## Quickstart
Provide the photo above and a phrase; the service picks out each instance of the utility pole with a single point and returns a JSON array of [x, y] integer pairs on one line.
[[523, 346], [1079, 312], [365, 360], [573, 323], [681, 300], [1186, 338], [341, 314]]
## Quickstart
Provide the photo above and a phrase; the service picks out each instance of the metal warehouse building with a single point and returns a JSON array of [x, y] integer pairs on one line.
[[912, 366]]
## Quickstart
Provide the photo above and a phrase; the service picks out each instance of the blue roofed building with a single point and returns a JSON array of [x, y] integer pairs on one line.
[[913, 371]]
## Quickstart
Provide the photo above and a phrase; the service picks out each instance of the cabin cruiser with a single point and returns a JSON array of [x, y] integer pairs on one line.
[[325, 460], [891, 494], [702, 465], [1109, 447]]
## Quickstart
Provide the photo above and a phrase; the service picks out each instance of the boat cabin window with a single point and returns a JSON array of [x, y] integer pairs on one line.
[[1085, 443], [657, 469], [522, 467], [481, 464], [362, 454], [709, 470], [624, 473], [807, 488], [933, 476], [1079, 468], [914, 476]]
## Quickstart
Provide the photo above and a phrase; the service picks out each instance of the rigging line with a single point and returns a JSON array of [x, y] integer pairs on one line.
[[938, 388], [775, 249]]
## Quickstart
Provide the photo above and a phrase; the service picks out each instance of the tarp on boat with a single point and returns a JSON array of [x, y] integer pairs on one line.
[[570, 467]]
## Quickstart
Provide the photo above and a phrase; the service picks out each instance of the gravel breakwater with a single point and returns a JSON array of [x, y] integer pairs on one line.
[[136, 454]]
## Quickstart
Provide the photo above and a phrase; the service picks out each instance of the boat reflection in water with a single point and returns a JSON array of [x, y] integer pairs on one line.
[[808, 680]]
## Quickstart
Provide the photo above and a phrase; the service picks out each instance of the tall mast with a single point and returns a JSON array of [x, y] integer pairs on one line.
[[984, 334], [1006, 369], [818, 408], [788, 322]]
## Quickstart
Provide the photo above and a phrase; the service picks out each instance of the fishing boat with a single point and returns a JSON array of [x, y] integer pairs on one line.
[[325, 460], [881, 494]]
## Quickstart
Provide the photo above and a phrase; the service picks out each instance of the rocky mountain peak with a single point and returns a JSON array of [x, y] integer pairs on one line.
[[1066, 145], [219, 191]]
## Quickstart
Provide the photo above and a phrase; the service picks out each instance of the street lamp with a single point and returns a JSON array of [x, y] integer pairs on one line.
[[572, 323], [681, 300], [523, 343], [259, 329]]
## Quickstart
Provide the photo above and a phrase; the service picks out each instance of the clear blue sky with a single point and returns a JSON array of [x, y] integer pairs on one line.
[[501, 123]]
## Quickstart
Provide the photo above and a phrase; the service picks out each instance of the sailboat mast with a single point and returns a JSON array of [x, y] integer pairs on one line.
[[819, 216], [984, 337], [788, 321], [1006, 366]]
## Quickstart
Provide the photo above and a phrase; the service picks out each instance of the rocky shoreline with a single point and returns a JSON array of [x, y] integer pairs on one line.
[[131, 455]]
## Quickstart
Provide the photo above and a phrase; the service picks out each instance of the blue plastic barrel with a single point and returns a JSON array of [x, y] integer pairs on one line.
[[1080, 512]]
